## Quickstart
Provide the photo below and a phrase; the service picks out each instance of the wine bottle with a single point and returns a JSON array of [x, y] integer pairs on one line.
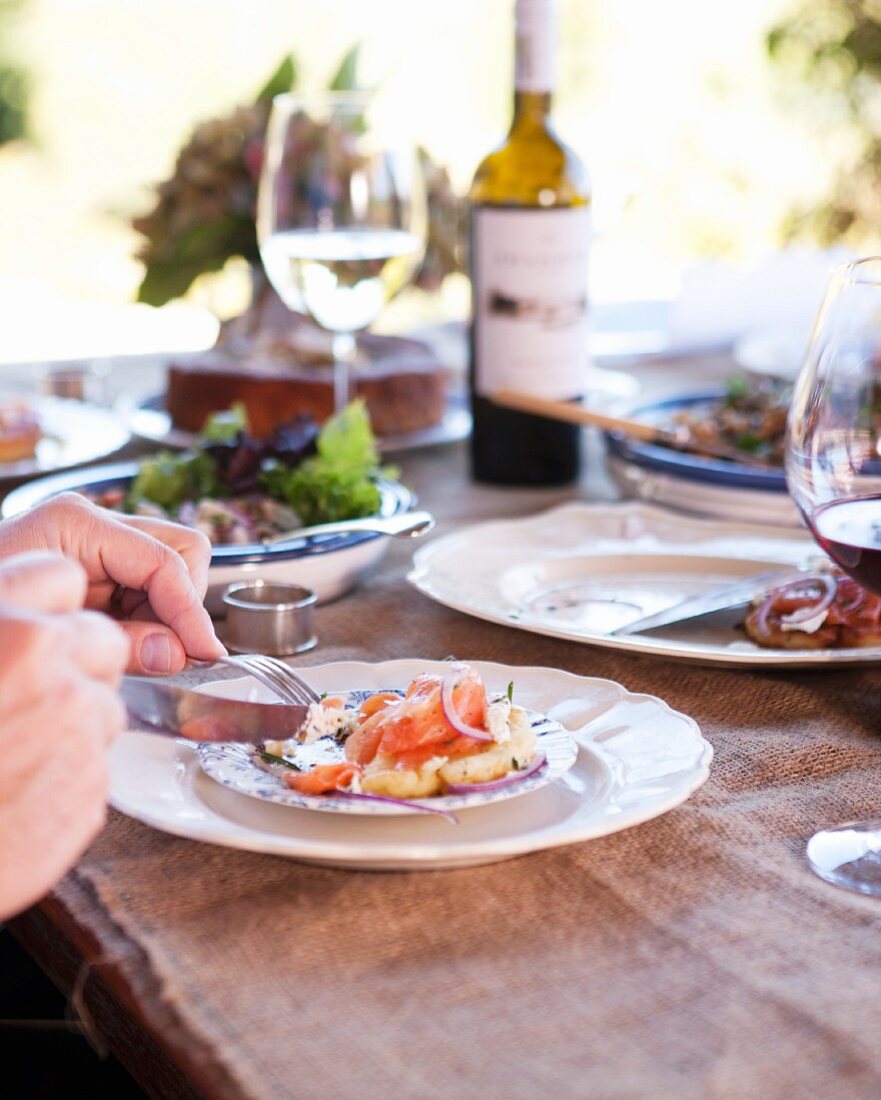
[[530, 235]]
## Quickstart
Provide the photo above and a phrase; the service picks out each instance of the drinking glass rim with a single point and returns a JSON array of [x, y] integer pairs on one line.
[[849, 271]]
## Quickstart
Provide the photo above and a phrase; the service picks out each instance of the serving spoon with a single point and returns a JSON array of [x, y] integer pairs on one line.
[[409, 525], [679, 439]]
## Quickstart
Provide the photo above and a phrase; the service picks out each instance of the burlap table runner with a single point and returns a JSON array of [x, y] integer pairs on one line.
[[693, 956]]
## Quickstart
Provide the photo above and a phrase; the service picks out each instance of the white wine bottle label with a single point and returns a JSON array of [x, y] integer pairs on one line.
[[535, 41], [529, 276]]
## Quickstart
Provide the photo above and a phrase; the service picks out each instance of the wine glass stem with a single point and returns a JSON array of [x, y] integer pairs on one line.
[[343, 362]]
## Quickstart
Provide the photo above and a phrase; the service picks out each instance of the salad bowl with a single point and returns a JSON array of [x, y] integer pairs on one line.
[[331, 565]]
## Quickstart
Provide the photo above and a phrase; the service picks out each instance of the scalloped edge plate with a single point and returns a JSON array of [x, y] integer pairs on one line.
[[636, 759], [495, 570]]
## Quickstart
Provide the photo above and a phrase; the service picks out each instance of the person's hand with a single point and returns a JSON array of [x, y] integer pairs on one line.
[[59, 710], [150, 574]]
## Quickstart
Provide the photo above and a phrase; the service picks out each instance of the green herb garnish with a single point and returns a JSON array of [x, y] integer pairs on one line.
[[736, 388], [510, 692], [271, 758], [749, 442]]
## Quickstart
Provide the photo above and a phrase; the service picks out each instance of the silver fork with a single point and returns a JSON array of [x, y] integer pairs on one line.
[[275, 675]]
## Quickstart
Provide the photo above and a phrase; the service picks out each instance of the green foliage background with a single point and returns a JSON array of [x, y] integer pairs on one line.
[[832, 49], [14, 84]]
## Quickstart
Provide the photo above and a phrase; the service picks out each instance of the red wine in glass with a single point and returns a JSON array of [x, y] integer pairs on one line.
[[850, 533], [833, 472]]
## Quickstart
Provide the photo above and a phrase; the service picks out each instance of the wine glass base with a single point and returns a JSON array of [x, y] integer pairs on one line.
[[849, 856]]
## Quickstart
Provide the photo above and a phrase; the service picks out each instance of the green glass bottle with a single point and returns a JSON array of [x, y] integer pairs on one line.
[[530, 237]]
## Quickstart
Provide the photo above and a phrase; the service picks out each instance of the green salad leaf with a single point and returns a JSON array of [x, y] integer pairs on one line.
[[339, 482], [170, 479], [222, 426], [347, 441], [736, 388]]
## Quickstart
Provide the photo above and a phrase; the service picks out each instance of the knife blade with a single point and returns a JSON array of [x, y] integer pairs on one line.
[[156, 707], [716, 599]]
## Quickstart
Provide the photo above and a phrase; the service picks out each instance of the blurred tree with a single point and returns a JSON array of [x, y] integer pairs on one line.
[[14, 84], [834, 48]]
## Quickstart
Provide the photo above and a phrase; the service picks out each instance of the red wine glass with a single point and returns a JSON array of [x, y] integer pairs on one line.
[[833, 472]]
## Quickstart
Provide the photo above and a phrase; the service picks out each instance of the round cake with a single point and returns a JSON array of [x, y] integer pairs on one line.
[[277, 377]]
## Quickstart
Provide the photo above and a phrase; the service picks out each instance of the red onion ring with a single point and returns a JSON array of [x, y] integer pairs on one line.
[[396, 802], [830, 586], [762, 612], [449, 709], [538, 762]]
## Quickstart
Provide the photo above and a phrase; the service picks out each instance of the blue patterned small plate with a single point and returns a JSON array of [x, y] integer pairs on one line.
[[685, 464], [240, 768]]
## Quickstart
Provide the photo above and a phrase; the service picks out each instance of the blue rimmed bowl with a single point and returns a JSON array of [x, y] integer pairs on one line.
[[694, 483], [331, 565]]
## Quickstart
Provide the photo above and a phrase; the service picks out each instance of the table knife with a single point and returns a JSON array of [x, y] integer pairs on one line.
[[157, 707], [716, 599]]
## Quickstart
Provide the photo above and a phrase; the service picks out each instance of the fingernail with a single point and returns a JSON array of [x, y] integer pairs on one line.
[[155, 653]]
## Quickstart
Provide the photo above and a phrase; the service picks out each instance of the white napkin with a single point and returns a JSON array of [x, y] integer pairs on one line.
[[719, 302]]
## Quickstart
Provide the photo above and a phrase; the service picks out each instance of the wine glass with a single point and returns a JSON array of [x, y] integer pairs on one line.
[[341, 216], [833, 471]]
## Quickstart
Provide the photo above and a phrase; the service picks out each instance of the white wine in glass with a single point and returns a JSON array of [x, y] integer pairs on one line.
[[341, 217]]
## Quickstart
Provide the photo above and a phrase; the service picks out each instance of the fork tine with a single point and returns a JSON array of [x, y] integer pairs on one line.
[[271, 669], [289, 678], [292, 692], [266, 677]]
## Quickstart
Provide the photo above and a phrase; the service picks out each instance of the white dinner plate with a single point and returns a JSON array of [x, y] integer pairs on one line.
[[238, 767], [148, 419], [636, 759], [74, 432], [580, 571]]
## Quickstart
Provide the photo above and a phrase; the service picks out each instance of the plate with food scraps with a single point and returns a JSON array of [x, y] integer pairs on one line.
[[504, 752], [581, 571], [42, 434], [636, 759], [747, 414]]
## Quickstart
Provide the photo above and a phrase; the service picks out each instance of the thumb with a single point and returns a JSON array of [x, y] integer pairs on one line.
[[41, 581], [155, 649]]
